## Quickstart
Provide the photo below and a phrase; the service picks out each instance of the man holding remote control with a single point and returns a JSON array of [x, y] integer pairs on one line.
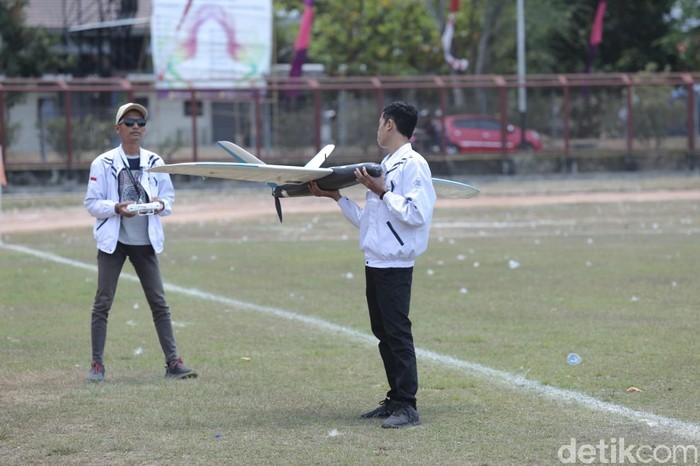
[[127, 202]]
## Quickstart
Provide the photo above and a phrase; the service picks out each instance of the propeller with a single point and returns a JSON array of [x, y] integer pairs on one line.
[[278, 207]]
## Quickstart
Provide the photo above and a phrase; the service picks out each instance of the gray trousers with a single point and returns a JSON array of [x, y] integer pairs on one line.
[[109, 266]]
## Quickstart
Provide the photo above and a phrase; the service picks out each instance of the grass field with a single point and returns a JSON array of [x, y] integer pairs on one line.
[[273, 318]]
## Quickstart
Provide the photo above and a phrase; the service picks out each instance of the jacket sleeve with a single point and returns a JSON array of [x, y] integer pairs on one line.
[[351, 210], [412, 201], [97, 200], [165, 189]]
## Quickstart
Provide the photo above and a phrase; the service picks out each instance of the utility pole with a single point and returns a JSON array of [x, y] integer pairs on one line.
[[522, 90]]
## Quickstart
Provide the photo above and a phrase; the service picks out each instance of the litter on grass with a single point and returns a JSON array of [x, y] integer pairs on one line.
[[573, 359]]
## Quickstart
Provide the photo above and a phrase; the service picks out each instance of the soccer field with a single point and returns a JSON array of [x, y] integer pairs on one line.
[[274, 319]]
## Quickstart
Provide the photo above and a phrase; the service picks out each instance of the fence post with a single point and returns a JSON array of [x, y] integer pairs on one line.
[[380, 102], [193, 114], [3, 131], [507, 166], [69, 111], [258, 122], [566, 162], [443, 112], [690, 86], [317, 114], [629, 160]]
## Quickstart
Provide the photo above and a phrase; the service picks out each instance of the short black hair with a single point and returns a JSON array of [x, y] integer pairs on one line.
[[404, 115]]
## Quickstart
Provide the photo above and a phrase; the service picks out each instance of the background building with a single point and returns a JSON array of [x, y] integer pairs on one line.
[[107, 37]]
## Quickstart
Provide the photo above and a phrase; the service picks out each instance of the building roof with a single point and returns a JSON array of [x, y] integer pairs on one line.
[[82, 15]]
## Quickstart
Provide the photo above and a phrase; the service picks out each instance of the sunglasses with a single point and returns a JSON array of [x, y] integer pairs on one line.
[[130, 122]]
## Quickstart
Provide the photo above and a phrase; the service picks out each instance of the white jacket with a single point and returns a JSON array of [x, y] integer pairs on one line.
[[102, 195], [394, 230]]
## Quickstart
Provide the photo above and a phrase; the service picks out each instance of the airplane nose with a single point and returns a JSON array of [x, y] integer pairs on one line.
[[374, 170]]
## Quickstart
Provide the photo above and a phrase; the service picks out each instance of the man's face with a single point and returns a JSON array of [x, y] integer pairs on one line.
[[134, 133], [383, 131]]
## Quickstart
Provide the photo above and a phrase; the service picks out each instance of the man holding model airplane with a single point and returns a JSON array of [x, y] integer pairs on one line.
[[394, 226]]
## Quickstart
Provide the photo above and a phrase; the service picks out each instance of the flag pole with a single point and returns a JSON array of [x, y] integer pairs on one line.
[[3, 182], [522, 90]]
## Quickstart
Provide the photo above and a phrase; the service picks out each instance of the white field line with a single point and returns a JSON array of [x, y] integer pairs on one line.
[[670, 425]]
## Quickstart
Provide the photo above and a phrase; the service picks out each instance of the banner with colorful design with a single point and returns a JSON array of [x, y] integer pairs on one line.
[[211, 43]]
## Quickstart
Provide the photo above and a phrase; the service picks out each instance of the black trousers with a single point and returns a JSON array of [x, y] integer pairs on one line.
[[109, 267], [388, 299]]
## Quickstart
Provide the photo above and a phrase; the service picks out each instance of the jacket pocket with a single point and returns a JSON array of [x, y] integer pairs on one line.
[[393, 231], [101, 224]]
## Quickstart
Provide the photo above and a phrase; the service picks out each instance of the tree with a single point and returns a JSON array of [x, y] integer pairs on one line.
[[634, 30], [402, 37], [25, 52], [88, 134], [372, 37], [366, 37], [683, 39], [632, 35]]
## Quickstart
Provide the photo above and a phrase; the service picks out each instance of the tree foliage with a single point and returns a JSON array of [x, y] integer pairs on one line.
[[402, 37], [683, 40], [380, 37], [25, 52], [374, 37], [88, 134]]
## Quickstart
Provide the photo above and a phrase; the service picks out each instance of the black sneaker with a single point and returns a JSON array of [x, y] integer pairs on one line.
[[404, 416], [177, 370], [97, 372], [386, 407]]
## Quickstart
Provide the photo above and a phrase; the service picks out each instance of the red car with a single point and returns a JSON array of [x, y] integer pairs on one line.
[[481, 133]]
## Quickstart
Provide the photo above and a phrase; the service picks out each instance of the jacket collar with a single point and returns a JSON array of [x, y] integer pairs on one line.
[[398, 155], [120, 160]]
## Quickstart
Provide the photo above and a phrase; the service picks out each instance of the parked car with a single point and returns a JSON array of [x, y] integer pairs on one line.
[[482, 133]]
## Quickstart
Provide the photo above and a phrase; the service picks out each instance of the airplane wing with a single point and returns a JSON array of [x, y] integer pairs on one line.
[[279, 174], [448, 189]]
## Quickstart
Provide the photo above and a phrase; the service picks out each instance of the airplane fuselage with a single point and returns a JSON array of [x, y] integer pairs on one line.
[[342, 177]]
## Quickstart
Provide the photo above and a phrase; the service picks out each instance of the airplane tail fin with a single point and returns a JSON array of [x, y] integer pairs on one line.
[[321, 157], [243, 156]]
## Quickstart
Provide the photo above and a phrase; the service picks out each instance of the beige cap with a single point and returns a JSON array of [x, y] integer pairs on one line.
[[130, 106]]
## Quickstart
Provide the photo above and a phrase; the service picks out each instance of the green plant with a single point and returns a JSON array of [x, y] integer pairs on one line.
[[88, 134]]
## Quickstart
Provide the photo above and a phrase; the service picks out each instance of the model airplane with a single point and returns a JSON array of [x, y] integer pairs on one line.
[[289, 180]]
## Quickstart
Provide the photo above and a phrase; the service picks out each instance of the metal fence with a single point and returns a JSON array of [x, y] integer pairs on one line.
[[580, 119]]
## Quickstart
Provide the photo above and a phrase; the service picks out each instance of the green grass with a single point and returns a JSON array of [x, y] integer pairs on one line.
[[615, 283]]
